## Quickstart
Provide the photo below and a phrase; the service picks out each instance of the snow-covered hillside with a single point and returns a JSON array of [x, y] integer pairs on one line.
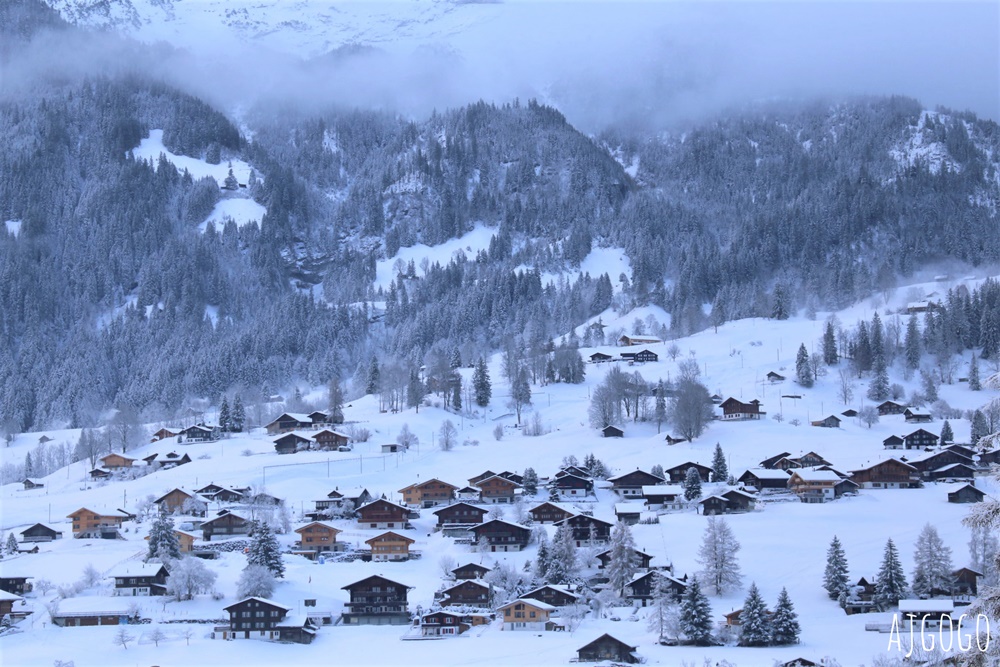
[[783, 543]]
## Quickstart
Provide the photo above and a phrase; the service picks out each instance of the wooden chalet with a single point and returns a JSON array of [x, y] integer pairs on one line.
[[774, 377], [468, 493], [134, 578], [15, 586], [84, 611], [920, 439], [664, 497], [819, 486], [549, 512], [221, 494], [163, 434], [390, 546], [629, 484], [917, 416], [608, 648], [287, 422], [40, 533], [965, 582], [460, 514], [890, 408], [641, 590], [502, 535], [967, 493], [87, 523], [526, 614], [811, 460], [642, 559], [7, 601], [850, 412], [888, 474], [769, 463], [573, 486], [730, 502], [184, 539], [630, 513], [226, 524], [444, 624], [763, 478], [383, 514], [599, 358], [628, 340], [468, 592], [198, 433], [642, 356], [31, 484], [166, 461], [497, 489], [346, 499], [180, 501], [428, 494], [474, 481], [470, 571], [893, 442], [733, 409], [291, 443], [556, 595], [611, 431], [960, 449], [671, 440], [328, 439], [678, 473], [318, 537], [989, 458], [832, 421], [928, 463], [116, 462], [376, 600], [952, 472], [260, 618], [572, 470], [587, 529]]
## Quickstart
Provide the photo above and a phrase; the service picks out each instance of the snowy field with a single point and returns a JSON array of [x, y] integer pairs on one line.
[[152, 147], [783, 543], [242, 211]]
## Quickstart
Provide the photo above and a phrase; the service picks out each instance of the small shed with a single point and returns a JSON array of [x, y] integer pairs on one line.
[[607, 647], [611, 431]]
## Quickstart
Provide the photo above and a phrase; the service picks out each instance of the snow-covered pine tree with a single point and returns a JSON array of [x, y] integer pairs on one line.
[[415, 390], [696, 615], [717, 556], [803, 367], [983, 552], [912, 343], [372, 381], [947, 435], [984, 520], [11, 545], [163, 542], [692, 485], [622, 561], [830, 355], [530, 481], [664, 615], [720, 470], [562, 556], [878, 389], [660, 411], [456, 393], [225, 418], [785, 622], [932, 564], [481, 384], [929, 384], [542, 559], [335, 402], [755, 626], [835, 577], [979, 429], [890, 582], [974, 382], [264, 549], [239, 414], [255, 581]]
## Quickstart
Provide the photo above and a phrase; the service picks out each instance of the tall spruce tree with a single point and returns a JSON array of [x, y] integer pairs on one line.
[[542, 558], [225, 418], [720, 470], [481, 384], [660, 410], [830, 354], [696, 615], [890, 582], [755, 626], [947, 435], [622, 559], [932, 564], [239, 415], [974, 382], [562, 556], [11, 545], [912, 343], [372, 381], [335, 402], [163, 542], [717, 556], [878, 389], [530, 481], [264, 549], [785, 627], [692, 485], [835, 576], [980, 428], [803, 367]]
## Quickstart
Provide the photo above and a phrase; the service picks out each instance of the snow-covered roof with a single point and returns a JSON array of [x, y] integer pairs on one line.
[[324, 524], [97, 604], [631, 472], [297, 434], [662, 490], [292, 621], [926, 606], [135, 568], [767, 473], [629, 508], [5, 596], [544, 606], [950, 466], [813, 475], [264, 600], [297, 416]]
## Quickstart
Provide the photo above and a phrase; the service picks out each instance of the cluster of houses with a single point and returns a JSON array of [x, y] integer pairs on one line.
[[117, 464], [300, 432]]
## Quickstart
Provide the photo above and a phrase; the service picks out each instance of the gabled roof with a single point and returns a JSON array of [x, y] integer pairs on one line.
[[330, 430], [297, 416], [42, 525], [293, 436], [560, 588], [511, 482], [509, 523], [632, 472], [604, 637], [374, 576], [383, 500], [388, 535], [688, 464], [767, 463], [264, 600], [321, 524], [425, 483], [813, 475], [767, 473], [474, 566], [453, 505], [881, 463], [662, 490], [584, 517], [136, 569], [544, 606], [222, 516], [467, 582]]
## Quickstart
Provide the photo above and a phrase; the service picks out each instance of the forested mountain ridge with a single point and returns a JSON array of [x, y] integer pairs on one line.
[[111, 297]]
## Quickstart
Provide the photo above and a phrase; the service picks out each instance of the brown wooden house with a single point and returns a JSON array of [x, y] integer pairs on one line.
[[329, 439], [888, 474], [629, 484], [502, 535], [572, 486], [7, 600], [607, 647], [460, 514], [677, 474], [180, 501], [967, 493], [641, 589], [390, 546], [733, 409], [469, 592], [226, 524], [289, 421], [893, 442], [40, 533], [87, 523], [137, 578], [557, 595], [428, 494], [890, 408], [260, 618], [525, 614], [470, 571], [383, 514], [376, 600], [291, 443], [15, 585], [497, 489], [32, 484], [587, 529], [116, 461], [612, 431], [920, 439], [184, 539], [762, 478], [318, 537], [549, 512], [917, 416], [163, 434], [444, 624], [642, 559]]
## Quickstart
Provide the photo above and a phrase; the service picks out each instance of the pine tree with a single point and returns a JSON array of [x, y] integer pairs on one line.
[[663, 617], [11, 543], [974, 383], [543, 557], [720, 471], [29, 468], [785, 622], [239, 415], [562, 556], [163, 541], [890, 582], [803, 369], [929, 385], [225, 419], [932, 564], [980, 428], [912, 343], [947, 435], [481, 384], [530, 481], [779, 303], [622, 561], [372, 382], [755, 627], [692, 485], [415, 390], [863, 348], [264, 549], [520, 392], [830, 355], [717, 556], [835, 577], [877, 337], [335, 403], [878, 389], [660, 411], [456, 393], [696, 615], [983, 550]]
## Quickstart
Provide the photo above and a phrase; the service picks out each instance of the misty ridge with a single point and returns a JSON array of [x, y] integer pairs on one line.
[[138, 302]]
